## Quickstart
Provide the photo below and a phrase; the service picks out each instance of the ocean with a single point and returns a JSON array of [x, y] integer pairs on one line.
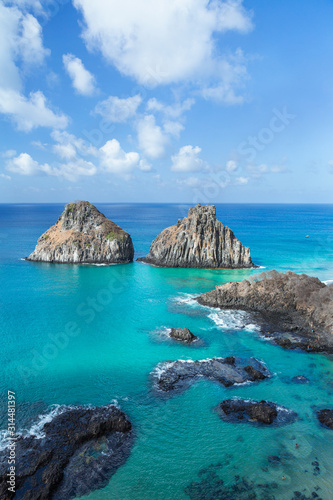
[[118, 317]]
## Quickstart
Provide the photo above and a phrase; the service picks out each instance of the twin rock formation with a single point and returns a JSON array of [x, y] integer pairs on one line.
[[84, 235]]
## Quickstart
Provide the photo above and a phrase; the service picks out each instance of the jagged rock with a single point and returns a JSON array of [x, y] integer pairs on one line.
[[264, 412], [283, 303], [83, 235], [78, 451], [183, 334], [172, 375], [199, 240], [325, 417]]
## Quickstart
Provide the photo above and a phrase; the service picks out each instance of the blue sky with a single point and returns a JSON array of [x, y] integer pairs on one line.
[[166, 101]]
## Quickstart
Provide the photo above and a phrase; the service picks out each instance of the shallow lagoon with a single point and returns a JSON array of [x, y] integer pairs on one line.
[[120, 340]]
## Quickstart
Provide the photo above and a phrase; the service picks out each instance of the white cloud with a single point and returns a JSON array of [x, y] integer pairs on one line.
[[74, 169], [162, 41], [82, 80], [188, 160], [145, 166], [9, 153], [21, 41], [7, 177], [35, 5], [24, 164], [152, 139], [173, 111], [68, 146], [117, 110], [242, 180], [114, 159], [30, 43], [29, 113], [231, 166]]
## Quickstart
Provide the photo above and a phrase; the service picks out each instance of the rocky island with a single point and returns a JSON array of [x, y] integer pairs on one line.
[[199, 241], [294, 310], [263, 412], [182, 334], [83, 235], [74, 453], [178, 375]]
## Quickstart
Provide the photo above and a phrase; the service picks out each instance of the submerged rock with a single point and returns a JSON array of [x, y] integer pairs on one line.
[[284, 303], [300, 379], [182, 334], [77, 452], [172, 375], [198, 240], [325, 417], [83, 235], [264, 412]]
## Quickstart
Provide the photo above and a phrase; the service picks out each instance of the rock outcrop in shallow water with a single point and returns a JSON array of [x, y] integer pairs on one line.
[[264, 412], [83, 235], [172, 375], [78, 451], [182, 334], [298, 309], [325, 417], [200, 241]]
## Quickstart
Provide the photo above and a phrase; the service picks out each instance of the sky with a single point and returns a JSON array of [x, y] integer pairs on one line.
[[166, 101]]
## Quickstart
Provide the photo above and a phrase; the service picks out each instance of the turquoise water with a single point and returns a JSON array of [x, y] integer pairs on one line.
[[116, 317]]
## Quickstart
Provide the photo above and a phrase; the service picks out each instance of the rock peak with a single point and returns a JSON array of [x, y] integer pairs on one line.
[[199, 240], [199, 211], [83, 234]]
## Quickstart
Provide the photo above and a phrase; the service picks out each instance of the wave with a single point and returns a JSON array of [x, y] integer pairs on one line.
[[37, 429], [328, 282], [227, 319]]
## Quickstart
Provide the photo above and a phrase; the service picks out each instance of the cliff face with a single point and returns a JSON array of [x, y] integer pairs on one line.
[[291, 302], [199, 240], [83, 235]]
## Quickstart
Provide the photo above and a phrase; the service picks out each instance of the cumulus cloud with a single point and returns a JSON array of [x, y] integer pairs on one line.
[[231, 166], [24, 164], [152, 139], [242, 180], [172, 111], [160, 42], [117, 110], [188, 160], [30, 112], [21, 42], [114, 159], [82, 80], [74, 169], [68, 146]]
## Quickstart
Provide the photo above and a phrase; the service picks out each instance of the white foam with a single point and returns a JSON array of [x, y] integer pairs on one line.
[[328, 282], [36, 429], [186, 298], [231, 319]]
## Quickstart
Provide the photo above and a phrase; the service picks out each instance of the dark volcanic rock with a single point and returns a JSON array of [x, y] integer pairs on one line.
[[83, 235], [297, 308], [199, 240], [172, 375], [183, 334], [325, 417], [264, 412], [79, 450]]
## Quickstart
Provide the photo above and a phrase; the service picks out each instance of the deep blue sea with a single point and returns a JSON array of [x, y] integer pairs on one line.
[[118, 316]]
